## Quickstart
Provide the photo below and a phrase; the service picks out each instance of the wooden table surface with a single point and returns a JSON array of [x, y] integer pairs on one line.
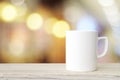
[[109, 71]]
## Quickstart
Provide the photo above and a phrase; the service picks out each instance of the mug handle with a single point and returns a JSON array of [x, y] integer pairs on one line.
[[105, 48]]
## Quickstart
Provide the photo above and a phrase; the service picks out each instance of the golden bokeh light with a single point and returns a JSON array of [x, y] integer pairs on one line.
[[8, 13], [49, 25], [17, 2], [59, 29], [34, 21], [22, 10], [17, 44], [16, 48]]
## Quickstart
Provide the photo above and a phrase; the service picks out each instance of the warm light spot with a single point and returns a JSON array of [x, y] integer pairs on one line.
[[59, 29], [106, 3], [49, 25], [18, 40], [34, 21], [8, 13], [17, 2], [16, 48], [22, 10]]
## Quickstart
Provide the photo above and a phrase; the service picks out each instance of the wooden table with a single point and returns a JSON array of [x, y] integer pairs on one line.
[[57, 72]]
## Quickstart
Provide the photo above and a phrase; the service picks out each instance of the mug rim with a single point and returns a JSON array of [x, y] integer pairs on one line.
[[81, 31]]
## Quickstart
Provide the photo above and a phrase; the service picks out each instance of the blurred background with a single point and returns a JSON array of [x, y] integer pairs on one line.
[[33, 31]]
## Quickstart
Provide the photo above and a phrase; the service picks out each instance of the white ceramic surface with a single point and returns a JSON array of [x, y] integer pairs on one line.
[[81, 50]]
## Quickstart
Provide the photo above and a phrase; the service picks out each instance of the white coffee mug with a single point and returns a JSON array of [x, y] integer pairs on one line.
[[81, 50]]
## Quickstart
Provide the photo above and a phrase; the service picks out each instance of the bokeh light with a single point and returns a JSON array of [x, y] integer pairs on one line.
[[8, 13], [72, 13], [87, 22], [34, 30], [18, 41], [59, 29], [106, 2], [34, 21], [49, 25], [22, 10], [17, 2], [16, 48]]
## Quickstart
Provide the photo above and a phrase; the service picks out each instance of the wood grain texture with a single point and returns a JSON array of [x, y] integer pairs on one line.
[[57, 72]]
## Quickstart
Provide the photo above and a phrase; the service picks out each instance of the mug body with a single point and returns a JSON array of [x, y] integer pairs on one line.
[[81, 50]]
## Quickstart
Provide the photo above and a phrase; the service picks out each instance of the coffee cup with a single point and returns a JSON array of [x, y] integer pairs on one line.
[[82, 50]]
